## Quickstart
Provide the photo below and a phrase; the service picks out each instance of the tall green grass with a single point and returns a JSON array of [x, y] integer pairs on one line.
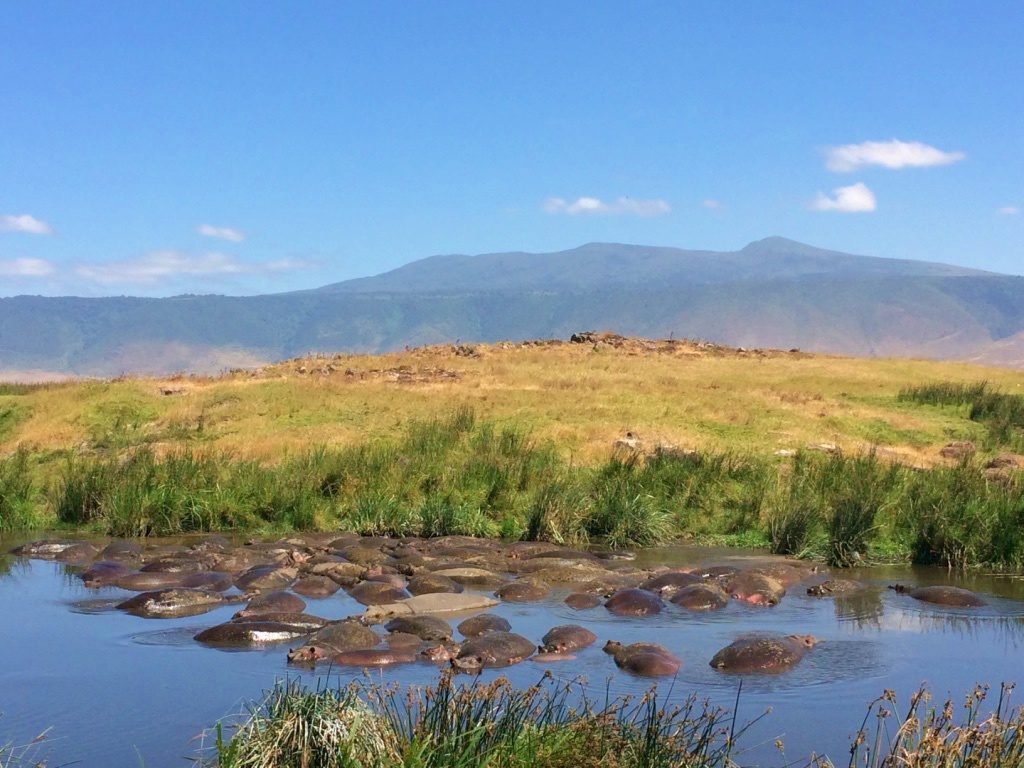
[[1000, 412], [493, 725], [17, 492]]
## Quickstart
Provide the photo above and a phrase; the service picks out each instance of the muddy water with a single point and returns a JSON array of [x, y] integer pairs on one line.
[[117, 690]]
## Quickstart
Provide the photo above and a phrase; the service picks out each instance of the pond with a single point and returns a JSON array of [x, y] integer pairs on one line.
[[121, 691]]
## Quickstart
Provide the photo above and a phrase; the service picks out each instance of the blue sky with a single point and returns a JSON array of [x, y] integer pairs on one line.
[[313, 142]]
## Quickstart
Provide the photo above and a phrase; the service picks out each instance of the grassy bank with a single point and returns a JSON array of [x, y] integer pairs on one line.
[[459, 475], [553, 725]]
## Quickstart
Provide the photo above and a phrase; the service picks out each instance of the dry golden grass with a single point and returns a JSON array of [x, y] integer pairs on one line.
[[583, 396]]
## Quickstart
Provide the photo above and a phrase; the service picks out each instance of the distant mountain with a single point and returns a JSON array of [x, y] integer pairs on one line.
[[773, 292]]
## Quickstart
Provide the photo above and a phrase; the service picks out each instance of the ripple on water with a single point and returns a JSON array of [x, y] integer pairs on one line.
[[173, 636], [95, 605]]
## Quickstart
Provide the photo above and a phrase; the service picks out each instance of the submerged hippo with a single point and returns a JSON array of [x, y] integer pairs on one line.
[[634, 602], [431, 583], [145, 581], [670, 582], [834, 588], [441, 652], [647, 659], [264, 578], [524, 591], [955, 597], [762, 653], [331, 640], [423, 627], [316, 586], [272, 602], [172, 603], [247, 633], [121, 549], [482, 624], [580, 601], [377, 593], [374, 657], [754, 588], [566, 638], [211, 580], [701, 597], [494, 649], [103, 573]]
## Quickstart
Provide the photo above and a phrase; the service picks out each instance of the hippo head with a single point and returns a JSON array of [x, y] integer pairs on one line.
[[808, 641], [439, 653], [468, 663], [309, 654], [612, 646]]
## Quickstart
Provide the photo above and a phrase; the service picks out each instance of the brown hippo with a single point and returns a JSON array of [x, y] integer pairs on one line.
[[546, 658], [374, 657], [955, 597], [477, 577], [482, 624], [424, 627], [701, 597], [634, 602], [430, 583], [523, 591], [716, 571], [211, 580], [120, 549], [103, 573], [441, 652], [566, 638], [647, 659], [332, 639], [246, 633], [265, 578], [754, 588], [184, 563], [138, 581], [316, 586], [272, 602], [403, 640], [172, 603], [45, 548], [668, 583], [762, 653], [834, 588], [377, 593], [580, 601], [493, 649]]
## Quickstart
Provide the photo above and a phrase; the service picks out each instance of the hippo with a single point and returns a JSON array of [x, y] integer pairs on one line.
[[523, 591], [362, 555], [754, 588], [668, 583], [121, 549], [392, 579], [565, 638], [493, 649], [272, 602], [172, 603], [311, 654], [547, 658], [646, 659], [432, 603], [482, 624], [211, 580], [332, 639], [701, 597], [579, 601], [316, 586], [246, 633], [78, 554], [762, 653], [304, 621], [834, 588], [478, 577], [634, 602], [103, 573], [954, 597], [374, 657], [716, 571], [431, 583], [423, 627], [403, 640], [441, 652], [45, 548], [377, 593], [137, 581], [787, 574], [265, 578]]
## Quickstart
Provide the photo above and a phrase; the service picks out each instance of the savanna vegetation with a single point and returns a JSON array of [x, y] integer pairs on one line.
[[515, 451], [554, 725]]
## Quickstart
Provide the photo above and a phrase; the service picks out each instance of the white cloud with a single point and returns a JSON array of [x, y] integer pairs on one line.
[[26, 268], [713, 205], [161, 265], [892, 154], [1008, 210], [222, 233], [24, 223], [617, 207], [856, 198]]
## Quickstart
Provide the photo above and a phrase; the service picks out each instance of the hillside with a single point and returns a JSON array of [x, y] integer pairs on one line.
[[582, 396], [772, 293]]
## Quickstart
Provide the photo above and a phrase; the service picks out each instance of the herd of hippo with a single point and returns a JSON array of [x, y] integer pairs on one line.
[[409, 586]]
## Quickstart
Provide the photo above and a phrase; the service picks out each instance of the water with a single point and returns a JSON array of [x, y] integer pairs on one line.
[[118, 691]]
